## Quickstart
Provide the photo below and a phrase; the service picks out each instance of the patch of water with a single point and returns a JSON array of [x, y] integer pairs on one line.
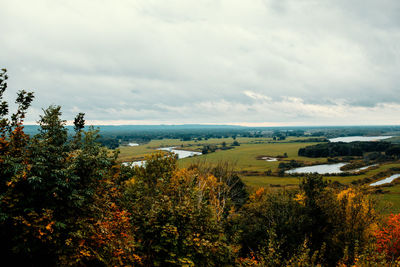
[[133, 144], [348, 139], [269, 159], [320, 169], [386, 180], [326, 168], [181, 155], [362, 168]]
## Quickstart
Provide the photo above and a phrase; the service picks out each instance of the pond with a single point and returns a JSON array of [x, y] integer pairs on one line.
[[269, 159], [348, 139], [181, 155], [386, 180], [133, 144]]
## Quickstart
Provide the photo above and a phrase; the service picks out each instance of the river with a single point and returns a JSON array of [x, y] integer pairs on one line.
[[325, 169], [181, 155], [386, 180]]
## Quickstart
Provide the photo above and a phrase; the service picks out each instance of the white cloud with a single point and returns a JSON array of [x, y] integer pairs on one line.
[[310, 62]]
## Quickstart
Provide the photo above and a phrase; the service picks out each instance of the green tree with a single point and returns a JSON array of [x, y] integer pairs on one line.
[[52, 191], [268, 218], [176, 215]]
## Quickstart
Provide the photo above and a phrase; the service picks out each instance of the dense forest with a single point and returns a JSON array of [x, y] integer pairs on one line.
[[349, 149], [64, 201]]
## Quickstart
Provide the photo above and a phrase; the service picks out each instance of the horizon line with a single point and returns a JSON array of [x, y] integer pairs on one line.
[[247, 125]]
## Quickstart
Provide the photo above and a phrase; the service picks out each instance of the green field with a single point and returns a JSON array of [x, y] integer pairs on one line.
[[139, 152], [252, 170], [390, 199], [136, 153], [244, 158]]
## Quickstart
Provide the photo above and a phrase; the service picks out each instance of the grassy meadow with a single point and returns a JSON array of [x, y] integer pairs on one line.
[[252, 170], [128, 153]]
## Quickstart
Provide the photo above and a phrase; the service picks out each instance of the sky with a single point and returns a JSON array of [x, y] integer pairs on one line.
[[257, 62]]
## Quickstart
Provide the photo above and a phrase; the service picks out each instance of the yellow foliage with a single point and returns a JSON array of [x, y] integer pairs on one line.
[[130, 182], [300, 198], [358, 211], [347, 194]]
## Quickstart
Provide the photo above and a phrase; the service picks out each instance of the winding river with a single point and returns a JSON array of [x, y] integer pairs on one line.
[[181, 155], [326, 168]]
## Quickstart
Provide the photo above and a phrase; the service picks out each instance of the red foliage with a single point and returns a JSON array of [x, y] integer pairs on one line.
[[388, 238]]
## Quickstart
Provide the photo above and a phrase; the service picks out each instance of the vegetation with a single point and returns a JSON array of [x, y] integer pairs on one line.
[[349, 149], [67, 201]]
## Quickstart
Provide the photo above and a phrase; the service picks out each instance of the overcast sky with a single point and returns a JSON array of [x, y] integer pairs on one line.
[[249, 62]]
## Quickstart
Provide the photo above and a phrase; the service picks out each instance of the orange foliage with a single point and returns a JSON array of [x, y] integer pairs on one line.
[[258, 194], [250, 261], [38, 224], [114, 231], [4, 144], [18, 141]]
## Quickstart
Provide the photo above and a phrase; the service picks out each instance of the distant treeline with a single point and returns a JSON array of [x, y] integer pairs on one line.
[[114, 136], [113, 139], [349, 149]]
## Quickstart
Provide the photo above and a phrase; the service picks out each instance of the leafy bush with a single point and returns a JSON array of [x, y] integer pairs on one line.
[[177, 215]]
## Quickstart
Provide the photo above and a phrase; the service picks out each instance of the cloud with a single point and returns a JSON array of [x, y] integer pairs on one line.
[[225, 61]]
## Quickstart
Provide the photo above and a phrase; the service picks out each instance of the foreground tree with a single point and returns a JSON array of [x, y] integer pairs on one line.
[[314, 225], [52, 200], [177, 215]]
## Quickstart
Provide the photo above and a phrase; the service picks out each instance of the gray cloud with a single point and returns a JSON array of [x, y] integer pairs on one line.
[[148, 61]]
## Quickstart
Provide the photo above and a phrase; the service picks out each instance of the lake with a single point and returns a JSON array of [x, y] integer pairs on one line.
[[386, 180], [348, 139], [181, 155]]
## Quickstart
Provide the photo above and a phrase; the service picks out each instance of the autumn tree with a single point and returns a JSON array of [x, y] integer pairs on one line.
[[51, 191], [316, 224], [388, 238], [176, 215]]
